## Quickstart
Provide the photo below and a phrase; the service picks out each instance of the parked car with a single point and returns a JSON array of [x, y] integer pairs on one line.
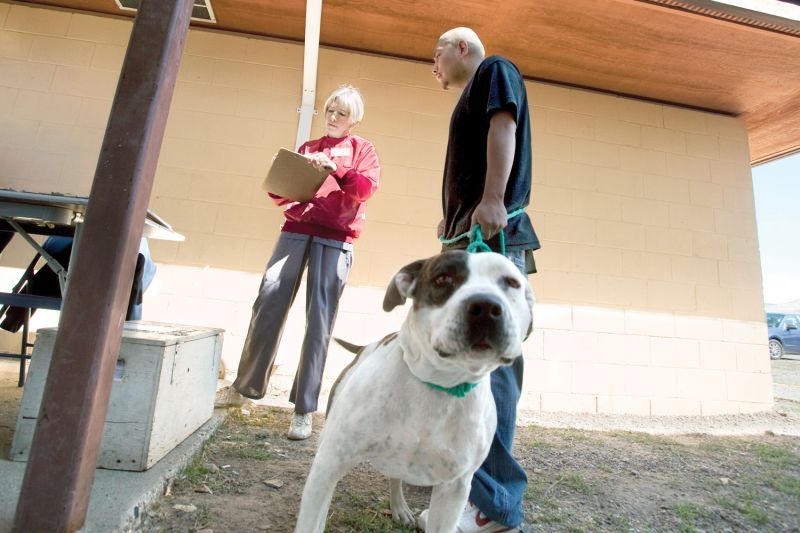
[[784, 335]]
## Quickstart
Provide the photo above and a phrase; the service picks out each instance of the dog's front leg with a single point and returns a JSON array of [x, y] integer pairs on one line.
[[325, 473], [397, 502], [447, 503]]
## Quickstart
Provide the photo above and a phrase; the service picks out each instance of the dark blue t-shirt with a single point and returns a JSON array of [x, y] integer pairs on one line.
[[496, 86]]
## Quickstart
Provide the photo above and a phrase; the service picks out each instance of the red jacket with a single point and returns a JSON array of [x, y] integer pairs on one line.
[[338, 209]]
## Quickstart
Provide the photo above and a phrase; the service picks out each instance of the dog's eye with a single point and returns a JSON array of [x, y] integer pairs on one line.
[[443, 279], [512, 283]]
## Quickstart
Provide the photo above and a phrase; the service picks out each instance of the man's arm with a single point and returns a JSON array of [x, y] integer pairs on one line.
[[501, 143]]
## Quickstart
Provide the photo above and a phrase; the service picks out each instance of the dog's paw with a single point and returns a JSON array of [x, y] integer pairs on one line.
[[404, 516]]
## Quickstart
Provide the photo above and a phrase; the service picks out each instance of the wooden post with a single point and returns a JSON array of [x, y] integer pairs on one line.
[[60, 472]]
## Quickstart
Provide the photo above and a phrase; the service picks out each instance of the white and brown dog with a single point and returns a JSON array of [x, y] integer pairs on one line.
[[417, 405]]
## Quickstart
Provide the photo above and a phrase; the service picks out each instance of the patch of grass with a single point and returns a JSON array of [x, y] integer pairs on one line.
[[533, 492], [540, 489], [353, 513], [202, 516], [573, 435], [250, 450], [772, 454], [688, 515], [620, 521], [534, 444], [647, 439], [787, 485], [754, 514], [575, 481], [196, 471], [549, 513], [603, 466], [715, 447], [745, 506]]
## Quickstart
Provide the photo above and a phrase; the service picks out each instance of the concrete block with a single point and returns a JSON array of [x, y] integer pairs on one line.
[[691, 217], [37, 20], [637, 159], [61, 51], [639, 112], [596, 205], [709, 245], [674, 407], [663, 139], [597, 319], [687, 120], [617, 132], [621, 235], [569, 403], [100, 29], [674, 352], [692, 168], [596, 153]]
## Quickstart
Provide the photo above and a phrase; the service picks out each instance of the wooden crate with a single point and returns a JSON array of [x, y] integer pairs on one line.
[[163, 390]]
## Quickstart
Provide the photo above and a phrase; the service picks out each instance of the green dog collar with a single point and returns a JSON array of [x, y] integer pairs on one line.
[[459, 391]]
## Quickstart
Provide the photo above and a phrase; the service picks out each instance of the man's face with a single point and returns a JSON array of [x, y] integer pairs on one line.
[[446, 64]]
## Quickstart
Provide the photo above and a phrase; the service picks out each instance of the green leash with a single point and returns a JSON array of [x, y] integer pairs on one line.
[[476, 244]]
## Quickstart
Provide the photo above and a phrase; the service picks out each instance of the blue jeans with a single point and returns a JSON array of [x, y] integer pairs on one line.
[[499, 484]]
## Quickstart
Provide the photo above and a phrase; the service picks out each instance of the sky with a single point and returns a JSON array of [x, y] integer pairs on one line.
[[776, 187]]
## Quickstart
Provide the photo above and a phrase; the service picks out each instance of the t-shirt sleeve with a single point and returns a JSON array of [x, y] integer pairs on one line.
[[502, 84]]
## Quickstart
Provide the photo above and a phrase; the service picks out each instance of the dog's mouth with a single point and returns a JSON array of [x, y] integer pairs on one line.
[[482, 346]]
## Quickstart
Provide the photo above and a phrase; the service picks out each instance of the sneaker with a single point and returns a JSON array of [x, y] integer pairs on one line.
[[472, 521], [300, 428], [229, 397]]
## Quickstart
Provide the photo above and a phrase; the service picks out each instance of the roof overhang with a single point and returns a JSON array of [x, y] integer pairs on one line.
[[700, 54]]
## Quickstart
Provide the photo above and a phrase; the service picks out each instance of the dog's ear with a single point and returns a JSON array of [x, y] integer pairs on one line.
[[531, 300], [401, 285]]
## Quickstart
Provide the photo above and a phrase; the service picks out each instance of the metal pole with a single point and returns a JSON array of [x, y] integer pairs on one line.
[[60, 472]]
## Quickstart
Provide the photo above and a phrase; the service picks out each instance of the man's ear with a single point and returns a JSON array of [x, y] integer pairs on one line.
[[402, 285], [463, 48]]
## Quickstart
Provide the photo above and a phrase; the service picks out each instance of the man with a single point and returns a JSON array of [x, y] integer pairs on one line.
[[487, 175]]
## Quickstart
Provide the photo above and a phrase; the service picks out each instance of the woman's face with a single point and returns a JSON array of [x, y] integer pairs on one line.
[[337, 120]]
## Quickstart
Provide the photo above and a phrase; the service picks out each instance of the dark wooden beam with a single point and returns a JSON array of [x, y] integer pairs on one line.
[[60, 472]]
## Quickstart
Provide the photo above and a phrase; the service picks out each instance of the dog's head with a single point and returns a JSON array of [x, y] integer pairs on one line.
[[472, 310]]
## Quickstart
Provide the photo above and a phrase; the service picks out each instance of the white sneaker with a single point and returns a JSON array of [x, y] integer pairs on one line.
[[229, 397], [472, 520], [300, 428]]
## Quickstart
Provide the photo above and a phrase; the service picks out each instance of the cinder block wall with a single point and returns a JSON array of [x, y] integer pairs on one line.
[[649, 285]]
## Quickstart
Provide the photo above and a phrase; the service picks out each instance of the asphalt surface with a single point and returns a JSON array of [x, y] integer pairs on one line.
[[786, 378]]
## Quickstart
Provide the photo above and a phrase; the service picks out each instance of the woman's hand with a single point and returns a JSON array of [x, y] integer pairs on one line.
[[320, 161]]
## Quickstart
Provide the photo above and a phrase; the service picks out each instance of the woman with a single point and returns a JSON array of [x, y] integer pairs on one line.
[[317, 235]]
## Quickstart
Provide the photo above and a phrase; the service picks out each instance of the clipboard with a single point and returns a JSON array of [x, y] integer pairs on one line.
[[292, 177]]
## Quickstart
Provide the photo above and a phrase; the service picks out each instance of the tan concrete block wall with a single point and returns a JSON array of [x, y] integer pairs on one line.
[[645, 211], [665, 189]]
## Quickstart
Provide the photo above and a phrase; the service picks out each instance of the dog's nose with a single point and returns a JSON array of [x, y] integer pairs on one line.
[[483, 310]]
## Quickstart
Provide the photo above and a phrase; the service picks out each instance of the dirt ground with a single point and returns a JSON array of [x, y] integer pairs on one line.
[[596, 478], [250, 478]]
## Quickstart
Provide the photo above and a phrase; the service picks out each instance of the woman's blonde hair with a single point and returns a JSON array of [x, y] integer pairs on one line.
[[349, 98]]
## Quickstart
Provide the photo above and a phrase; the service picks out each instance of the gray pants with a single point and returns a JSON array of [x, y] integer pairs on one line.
[[328, 264]]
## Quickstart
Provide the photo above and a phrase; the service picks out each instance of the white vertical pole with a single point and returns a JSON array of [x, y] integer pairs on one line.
[[310, 58]]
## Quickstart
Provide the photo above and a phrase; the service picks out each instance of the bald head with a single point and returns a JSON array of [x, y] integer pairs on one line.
[[457, 55], [466, 35]]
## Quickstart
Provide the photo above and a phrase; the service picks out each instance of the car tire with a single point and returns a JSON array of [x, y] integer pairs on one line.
[[775, 349]]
